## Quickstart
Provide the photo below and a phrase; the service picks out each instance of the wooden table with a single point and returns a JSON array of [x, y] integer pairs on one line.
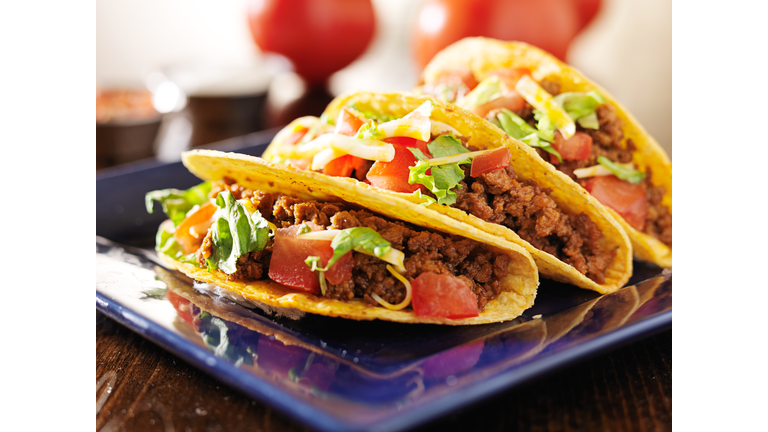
[[627, 389]]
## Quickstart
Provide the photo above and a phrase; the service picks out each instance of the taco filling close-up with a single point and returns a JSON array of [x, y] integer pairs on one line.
[[420, 155], [226, 233], [570, 122]]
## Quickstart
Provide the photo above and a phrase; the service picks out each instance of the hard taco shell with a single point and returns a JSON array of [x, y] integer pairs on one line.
[[528, 165], [483, 56], [518, 286]]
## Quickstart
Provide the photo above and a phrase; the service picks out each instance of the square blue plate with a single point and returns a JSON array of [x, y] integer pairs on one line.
[[335, 374]]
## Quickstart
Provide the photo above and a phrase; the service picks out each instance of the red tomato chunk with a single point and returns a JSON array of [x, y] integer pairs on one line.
[[347, 124], [577, 147], [295, 137], [511, 101], [490, 161], [393, 175], [443, 296], [626, 198], [341, 166], [287, 265], [510, 76]]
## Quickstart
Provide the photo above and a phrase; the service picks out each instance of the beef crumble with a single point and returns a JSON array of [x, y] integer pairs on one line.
[[472, 262], [527, 209]]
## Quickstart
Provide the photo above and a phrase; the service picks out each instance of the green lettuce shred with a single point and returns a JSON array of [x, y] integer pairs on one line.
[[487, 90], [517, 128], [361, 239], [235, 232], [545, 126], [165, 243], [177, 203], [442, 178], [580, 107], [626, 174]]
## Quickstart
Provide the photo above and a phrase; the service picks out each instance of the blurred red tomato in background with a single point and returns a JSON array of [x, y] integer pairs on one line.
[[318, 36], [548, 24], [587, 9]]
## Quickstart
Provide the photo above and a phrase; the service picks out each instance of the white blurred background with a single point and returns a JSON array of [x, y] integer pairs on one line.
[[627, 48]]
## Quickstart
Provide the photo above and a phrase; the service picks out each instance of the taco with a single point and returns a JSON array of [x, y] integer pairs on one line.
[[574, 125], [289, 240], [457, 165]]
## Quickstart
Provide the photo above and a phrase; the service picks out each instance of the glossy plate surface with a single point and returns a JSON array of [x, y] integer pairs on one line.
[[335, 374]]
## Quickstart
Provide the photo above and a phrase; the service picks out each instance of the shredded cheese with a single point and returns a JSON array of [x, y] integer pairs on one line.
[[408, 292], [414, 125], [455, 158], [593, 171], [532, 92], [439, 128], [319, 235]]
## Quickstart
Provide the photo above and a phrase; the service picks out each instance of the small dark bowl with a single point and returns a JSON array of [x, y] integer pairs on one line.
[[122, 142]]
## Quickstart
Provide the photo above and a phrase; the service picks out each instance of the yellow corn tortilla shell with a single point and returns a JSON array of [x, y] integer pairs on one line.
[[518, 286], [483, 56], [528, 165]]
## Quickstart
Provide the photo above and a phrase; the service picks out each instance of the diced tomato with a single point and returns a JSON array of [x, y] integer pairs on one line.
[[443, 296], [511, 101], [361, 169], [490, 161], [410, 142], [347, 124], [341, 166], [393, 175], [296, 136], [287, 264], [183, 306], [577, 147], [626, 198], [510, 76], [192, 230]]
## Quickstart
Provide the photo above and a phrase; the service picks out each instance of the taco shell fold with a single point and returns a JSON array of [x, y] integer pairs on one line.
[[518, 286]]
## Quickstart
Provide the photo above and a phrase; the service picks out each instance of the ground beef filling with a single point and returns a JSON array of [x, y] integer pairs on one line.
[[608, 141], [528, 210], [425, 251]]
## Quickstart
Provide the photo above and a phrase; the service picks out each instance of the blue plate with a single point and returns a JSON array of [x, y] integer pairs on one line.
[[335, 374]]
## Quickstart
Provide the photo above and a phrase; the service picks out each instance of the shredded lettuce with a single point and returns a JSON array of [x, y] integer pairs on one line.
[[442, 178], [487, 90], [235, 232], [623, 173], [446, 145], [177, 203], [165, 243], [581, 107], [361, 239], [517, 128], [544, 125]]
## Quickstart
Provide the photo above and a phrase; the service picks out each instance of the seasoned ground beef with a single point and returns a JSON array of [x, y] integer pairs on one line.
[[425, 251], [608, 141], [528, 210]]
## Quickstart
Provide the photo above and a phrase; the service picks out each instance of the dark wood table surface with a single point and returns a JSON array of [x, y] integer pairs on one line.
[[625, 389]]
